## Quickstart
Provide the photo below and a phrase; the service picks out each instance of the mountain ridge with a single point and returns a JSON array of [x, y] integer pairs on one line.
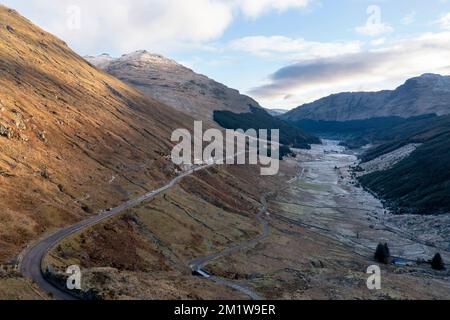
[[197, 95], [174, 84], [426, 94]]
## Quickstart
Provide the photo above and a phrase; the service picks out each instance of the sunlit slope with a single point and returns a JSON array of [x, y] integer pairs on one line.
[[72, 138]]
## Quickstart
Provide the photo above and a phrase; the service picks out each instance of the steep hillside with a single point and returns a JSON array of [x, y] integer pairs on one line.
[[418, 184], [427, 94], [72, 139]]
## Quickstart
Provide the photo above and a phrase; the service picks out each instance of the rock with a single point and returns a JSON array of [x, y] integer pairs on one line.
[[45, 174], [42, 136], [6, 132], [6, 174]]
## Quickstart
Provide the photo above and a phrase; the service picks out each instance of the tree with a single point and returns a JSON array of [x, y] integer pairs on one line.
[[437, 263], [382, 254]]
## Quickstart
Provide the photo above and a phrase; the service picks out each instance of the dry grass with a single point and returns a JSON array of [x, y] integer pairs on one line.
[[14, 287], [68, 129]]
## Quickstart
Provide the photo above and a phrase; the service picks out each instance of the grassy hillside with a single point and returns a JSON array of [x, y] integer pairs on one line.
[[73, 139], [260, 119]]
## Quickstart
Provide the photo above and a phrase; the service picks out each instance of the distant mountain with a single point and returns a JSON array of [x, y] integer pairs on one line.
[[416, 113], [427, 94], [276, 112], [197, 95], [100, 61]]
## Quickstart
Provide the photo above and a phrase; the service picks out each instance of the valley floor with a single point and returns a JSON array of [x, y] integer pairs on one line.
[[332, 200], [322, 233], [332, 229]]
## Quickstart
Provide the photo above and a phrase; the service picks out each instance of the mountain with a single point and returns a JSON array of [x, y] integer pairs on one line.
[[427, 94], [276, 112], [171, 83], [414, 117], [199, 96], [73, 139]]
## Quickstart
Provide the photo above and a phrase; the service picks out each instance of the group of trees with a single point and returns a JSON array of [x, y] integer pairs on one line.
[[418, 184], [258, 118], [437, 263], [383, 255]]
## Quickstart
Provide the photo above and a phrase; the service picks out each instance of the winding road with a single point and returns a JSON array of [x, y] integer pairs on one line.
[[198, 264], [30, 264]]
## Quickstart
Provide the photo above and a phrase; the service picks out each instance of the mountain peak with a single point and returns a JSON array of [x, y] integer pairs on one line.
[[435, 82], [176, 85], [145, 56], [428, 77]]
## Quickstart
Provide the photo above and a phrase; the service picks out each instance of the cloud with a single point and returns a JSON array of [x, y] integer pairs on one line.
[[378, 42], [444, 21], [372, 69], [409, 18], [374, 29], [254, 8], [124, 26], [298, 49]]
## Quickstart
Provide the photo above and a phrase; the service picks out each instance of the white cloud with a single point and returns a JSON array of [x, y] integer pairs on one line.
[[254, 8], [444, 21], [378, 42], [374, 29], [124, 26], [298, 49], [372, 69], [409, 18]]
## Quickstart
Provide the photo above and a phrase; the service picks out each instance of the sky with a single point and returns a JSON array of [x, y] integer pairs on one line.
[[283, 53]]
